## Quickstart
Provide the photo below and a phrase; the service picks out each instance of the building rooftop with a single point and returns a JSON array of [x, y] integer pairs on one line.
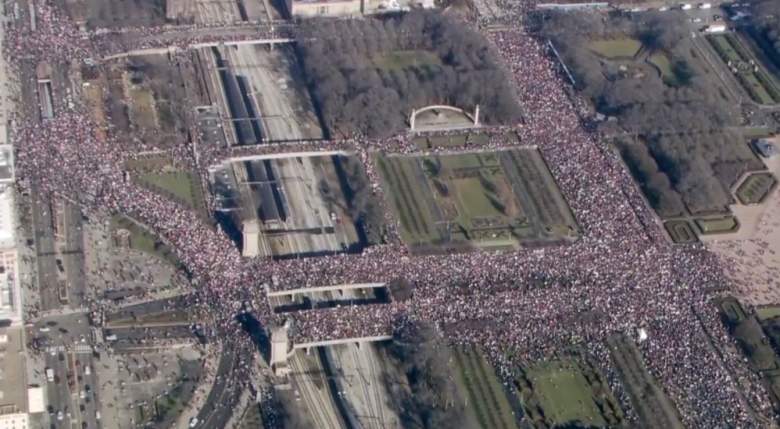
[[10, 293], [6, 163], [13, 386]]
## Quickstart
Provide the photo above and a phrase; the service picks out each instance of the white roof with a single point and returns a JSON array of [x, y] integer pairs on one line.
[[7, 218], [35, 401]]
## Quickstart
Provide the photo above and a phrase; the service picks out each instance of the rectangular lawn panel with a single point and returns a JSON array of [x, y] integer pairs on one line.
[[661, 61], [751, 75], [756, 188], [487, 399], [764, 313], [717, 225], [565, 395], [616, 48], [178, 183], [476, 199]]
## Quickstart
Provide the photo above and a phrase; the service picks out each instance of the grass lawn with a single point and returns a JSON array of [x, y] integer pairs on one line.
[[724, 48], [458, 161], [398, 60], [466, 199], [764, 313], [487, 398], [757, 91], [473, 200], [409, 199], [142, 109], [758, 85], [564, 394], [680, 231], [751, 132], [616, 48], [660, 60], [178, 183], [717, 225], [756, 188]]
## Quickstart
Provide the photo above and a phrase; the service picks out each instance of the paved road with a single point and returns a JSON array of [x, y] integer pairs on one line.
[[221, 400], [45, 250], [72, 254]]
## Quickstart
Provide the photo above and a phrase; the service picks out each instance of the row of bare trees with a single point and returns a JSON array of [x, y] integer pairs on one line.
[[367, 75]]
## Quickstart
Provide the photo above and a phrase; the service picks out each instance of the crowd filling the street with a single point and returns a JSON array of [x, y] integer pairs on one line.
[[519, 306]]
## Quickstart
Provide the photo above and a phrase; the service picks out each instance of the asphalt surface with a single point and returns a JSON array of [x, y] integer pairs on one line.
[[45, 250], [223, 397]]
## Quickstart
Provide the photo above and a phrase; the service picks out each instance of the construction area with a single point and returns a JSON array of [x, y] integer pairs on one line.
[[296, 205]]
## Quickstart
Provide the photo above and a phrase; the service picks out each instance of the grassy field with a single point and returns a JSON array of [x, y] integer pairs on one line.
[[661, 61], [567, 392], [717, 225], [761, 87], [180, 184], [616, 48], [487, 398], [491, 200], [654, 408], [398, 60], [764, 313], [564, 395], [756, 188], [680, 231]]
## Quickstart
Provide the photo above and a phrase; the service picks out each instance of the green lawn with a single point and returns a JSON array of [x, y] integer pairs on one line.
[[616, 48], [487, 399], [564, 394], [761, 88], [717, 225], [764, 313], [179, 183], [756, 188], [660, 60], [409, 199], [473, 200]]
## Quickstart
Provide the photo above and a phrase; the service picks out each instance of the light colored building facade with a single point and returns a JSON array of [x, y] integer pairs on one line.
[[10, 290], [347, 8]]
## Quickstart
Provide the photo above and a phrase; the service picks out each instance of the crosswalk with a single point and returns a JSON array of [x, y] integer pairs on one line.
[[78, 348]]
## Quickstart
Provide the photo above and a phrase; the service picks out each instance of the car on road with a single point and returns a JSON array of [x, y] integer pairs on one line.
[[60, 415], [49, 374]]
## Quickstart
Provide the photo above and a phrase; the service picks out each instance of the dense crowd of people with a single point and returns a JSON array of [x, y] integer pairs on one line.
[[620, 276]]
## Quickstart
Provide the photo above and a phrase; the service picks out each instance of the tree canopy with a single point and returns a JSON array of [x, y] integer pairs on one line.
[[367, 75]]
